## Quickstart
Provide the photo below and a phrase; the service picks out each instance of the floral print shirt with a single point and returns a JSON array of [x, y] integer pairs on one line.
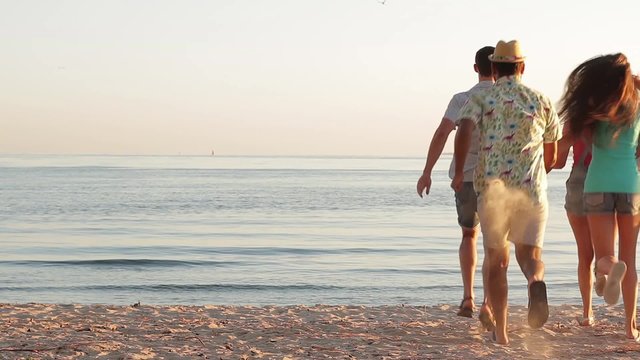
[[514, 122]]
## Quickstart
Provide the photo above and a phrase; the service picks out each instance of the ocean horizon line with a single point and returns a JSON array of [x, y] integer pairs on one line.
[[312, 156]]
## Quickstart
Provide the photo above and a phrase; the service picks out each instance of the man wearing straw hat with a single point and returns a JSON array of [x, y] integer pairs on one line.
[[519, 130]]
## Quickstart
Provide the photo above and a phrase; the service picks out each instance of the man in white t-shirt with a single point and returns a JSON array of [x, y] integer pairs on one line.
[[466, 204], [519, 130]]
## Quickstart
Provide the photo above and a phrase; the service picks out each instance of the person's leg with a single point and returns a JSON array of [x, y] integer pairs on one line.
[[467, 254], [466, 207], [601, 209], [601, 219], [530, 260], [628, 225], [580, 227], [603, 231], [498, 262], [574, 205], [494, 224], [527, 233], [485, 315]]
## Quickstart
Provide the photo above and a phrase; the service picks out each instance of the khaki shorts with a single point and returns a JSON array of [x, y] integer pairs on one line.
[[467, 206], [522, 223]]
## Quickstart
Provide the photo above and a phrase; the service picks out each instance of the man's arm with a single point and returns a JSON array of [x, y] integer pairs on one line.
[[435, 150], [552, 133], [461, 148], [550, 155]]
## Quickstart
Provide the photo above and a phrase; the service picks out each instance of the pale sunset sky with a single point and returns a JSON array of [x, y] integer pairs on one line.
[[278, 77]]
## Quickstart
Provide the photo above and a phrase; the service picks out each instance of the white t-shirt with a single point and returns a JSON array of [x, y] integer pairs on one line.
[[457, 101]]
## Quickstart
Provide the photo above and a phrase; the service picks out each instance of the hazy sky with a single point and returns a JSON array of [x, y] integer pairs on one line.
[[296, 77]]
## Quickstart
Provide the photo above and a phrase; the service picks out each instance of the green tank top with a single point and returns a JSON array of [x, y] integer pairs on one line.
[[613, 168]]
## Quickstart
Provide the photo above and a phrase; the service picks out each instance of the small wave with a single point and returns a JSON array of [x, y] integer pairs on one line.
[[409, 271], [219, 287], [120, 263], [177, 251], [268, 250]]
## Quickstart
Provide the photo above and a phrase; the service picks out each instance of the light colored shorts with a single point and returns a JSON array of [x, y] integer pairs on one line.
[[522, 223], [607, 203], [467, 206]]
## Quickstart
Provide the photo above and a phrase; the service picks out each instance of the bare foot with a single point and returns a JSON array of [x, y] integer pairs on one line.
[[586, 321], [486, 318], [614, 283], [500, 338]]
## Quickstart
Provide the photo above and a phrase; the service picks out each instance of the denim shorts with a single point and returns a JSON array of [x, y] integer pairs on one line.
[[606, 203], [574, 199], [467, 206]]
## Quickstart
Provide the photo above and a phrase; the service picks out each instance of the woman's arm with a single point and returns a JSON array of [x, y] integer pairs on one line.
[[563, 148]]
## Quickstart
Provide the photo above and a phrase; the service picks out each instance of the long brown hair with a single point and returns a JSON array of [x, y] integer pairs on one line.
[[598, 89]]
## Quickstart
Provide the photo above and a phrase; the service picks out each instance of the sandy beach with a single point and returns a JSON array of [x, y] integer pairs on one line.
[[46, 331]]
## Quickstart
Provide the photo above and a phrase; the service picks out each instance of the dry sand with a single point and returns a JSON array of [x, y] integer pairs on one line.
[[43, 331]]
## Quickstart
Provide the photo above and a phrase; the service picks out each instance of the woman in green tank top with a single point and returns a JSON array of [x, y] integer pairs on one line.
[[600, 104]]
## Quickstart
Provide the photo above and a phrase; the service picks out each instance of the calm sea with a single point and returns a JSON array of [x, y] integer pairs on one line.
[[243, 230]]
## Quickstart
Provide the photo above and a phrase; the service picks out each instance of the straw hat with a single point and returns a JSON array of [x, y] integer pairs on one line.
[[507, 52]]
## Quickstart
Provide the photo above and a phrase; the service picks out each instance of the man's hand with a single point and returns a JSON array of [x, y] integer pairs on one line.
[[424, 184], [550, 154], [456, 183]]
